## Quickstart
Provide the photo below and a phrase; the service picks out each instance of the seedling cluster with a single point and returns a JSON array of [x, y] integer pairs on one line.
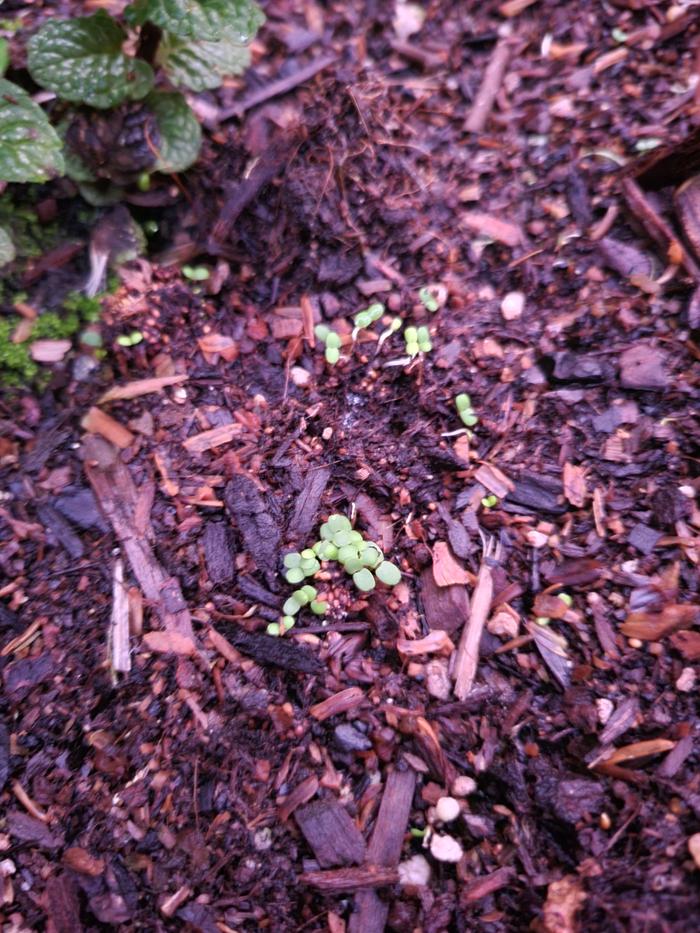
[[365, 319], [331, 340], [338, 541], [417, 341], [465, 410]]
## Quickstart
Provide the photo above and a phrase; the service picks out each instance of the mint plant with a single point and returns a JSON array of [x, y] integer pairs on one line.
[[132, 66]]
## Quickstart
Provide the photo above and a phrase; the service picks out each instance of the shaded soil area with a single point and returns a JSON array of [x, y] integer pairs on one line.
[[230, 780]]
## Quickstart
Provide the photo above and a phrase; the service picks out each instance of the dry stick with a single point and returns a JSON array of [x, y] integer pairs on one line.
[[656, 227], [275, 88], [467, 657], [119, 623], [490, 85]]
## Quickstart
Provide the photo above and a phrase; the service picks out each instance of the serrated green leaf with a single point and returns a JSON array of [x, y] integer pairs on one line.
[[81, 60], [180, 133], [30, 149], [201, 65], [7, 247], [206, 20]]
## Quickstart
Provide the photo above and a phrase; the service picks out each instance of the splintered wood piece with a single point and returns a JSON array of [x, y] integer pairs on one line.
[[657, 228], [216, 437], [140, 387], [98, 422], [118, 499], [301, 794], [350, 879], [467, 657], [370, 913], [338, 703], [331, 833], [490, 84], [119, 622]]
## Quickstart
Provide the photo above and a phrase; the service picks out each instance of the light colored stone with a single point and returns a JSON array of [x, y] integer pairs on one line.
[[512, 306], [694, 848], [445, 848], [686, 681], [300, 376], [415, 871], [437, 679], [536, 539], [447, 809], [605, 708], [463, 786]]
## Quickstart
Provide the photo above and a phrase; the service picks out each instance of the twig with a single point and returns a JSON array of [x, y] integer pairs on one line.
[[467, 657], [119, 622], [276, 88], [657, 228], [490, 84]]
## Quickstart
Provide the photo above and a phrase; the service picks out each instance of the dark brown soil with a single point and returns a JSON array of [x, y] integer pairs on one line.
[[206, 789]]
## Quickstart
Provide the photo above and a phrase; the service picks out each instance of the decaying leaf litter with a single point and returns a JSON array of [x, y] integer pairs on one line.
[[232, 780]]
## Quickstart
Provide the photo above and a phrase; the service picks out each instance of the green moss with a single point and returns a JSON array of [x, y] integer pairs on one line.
[[16, 365]]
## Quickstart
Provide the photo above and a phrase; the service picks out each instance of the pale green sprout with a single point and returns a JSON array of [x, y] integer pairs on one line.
[[395, 325], [417, 341], [332, 342], [196, 273], [130, 340], [566, 599], [365, 319], [428, 299], [489, 502], [464, 408]]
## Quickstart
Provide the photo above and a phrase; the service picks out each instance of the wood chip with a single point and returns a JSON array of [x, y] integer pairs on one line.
[[301, 794], [140, 387], [331, 833], [216, 437], [447, 571], [564, 900], [119, 622], [169, 643], [338, 703], [99, 422], [575, 491], [437, 642], [493, 227], [215, 345], [637, 750], [494, 480], [350, 879]]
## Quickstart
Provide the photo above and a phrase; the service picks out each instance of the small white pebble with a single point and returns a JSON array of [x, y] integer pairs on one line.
[[605, 708], [415, 871], [687, 491], [536, 539], [463, 786], [512, 306], [447, 809], [445, 848], [686, 681], [300, 376], [694, 848]]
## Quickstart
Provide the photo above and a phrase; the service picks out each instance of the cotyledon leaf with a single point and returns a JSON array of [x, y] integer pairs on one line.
[[81, 60], [201, 65], [200, 19], [30, 149], [7, 247], [180, 133]]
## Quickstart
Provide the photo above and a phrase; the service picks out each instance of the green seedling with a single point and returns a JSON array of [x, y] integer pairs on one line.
[[273, 629], [143, 182], [428, 299], [543, 620], [417, 341], [490, 502], [395, 325], [365, 319], [566, 599], [196, 273], [319, 607], [465, 410], [417, 833], [130, 340], [364, 580], [332, 342]]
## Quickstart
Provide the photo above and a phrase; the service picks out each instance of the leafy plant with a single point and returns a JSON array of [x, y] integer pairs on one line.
[[130, 66], [366, 318]]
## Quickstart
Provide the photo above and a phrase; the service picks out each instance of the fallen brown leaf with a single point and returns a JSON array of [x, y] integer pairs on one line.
[[99, 422]]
